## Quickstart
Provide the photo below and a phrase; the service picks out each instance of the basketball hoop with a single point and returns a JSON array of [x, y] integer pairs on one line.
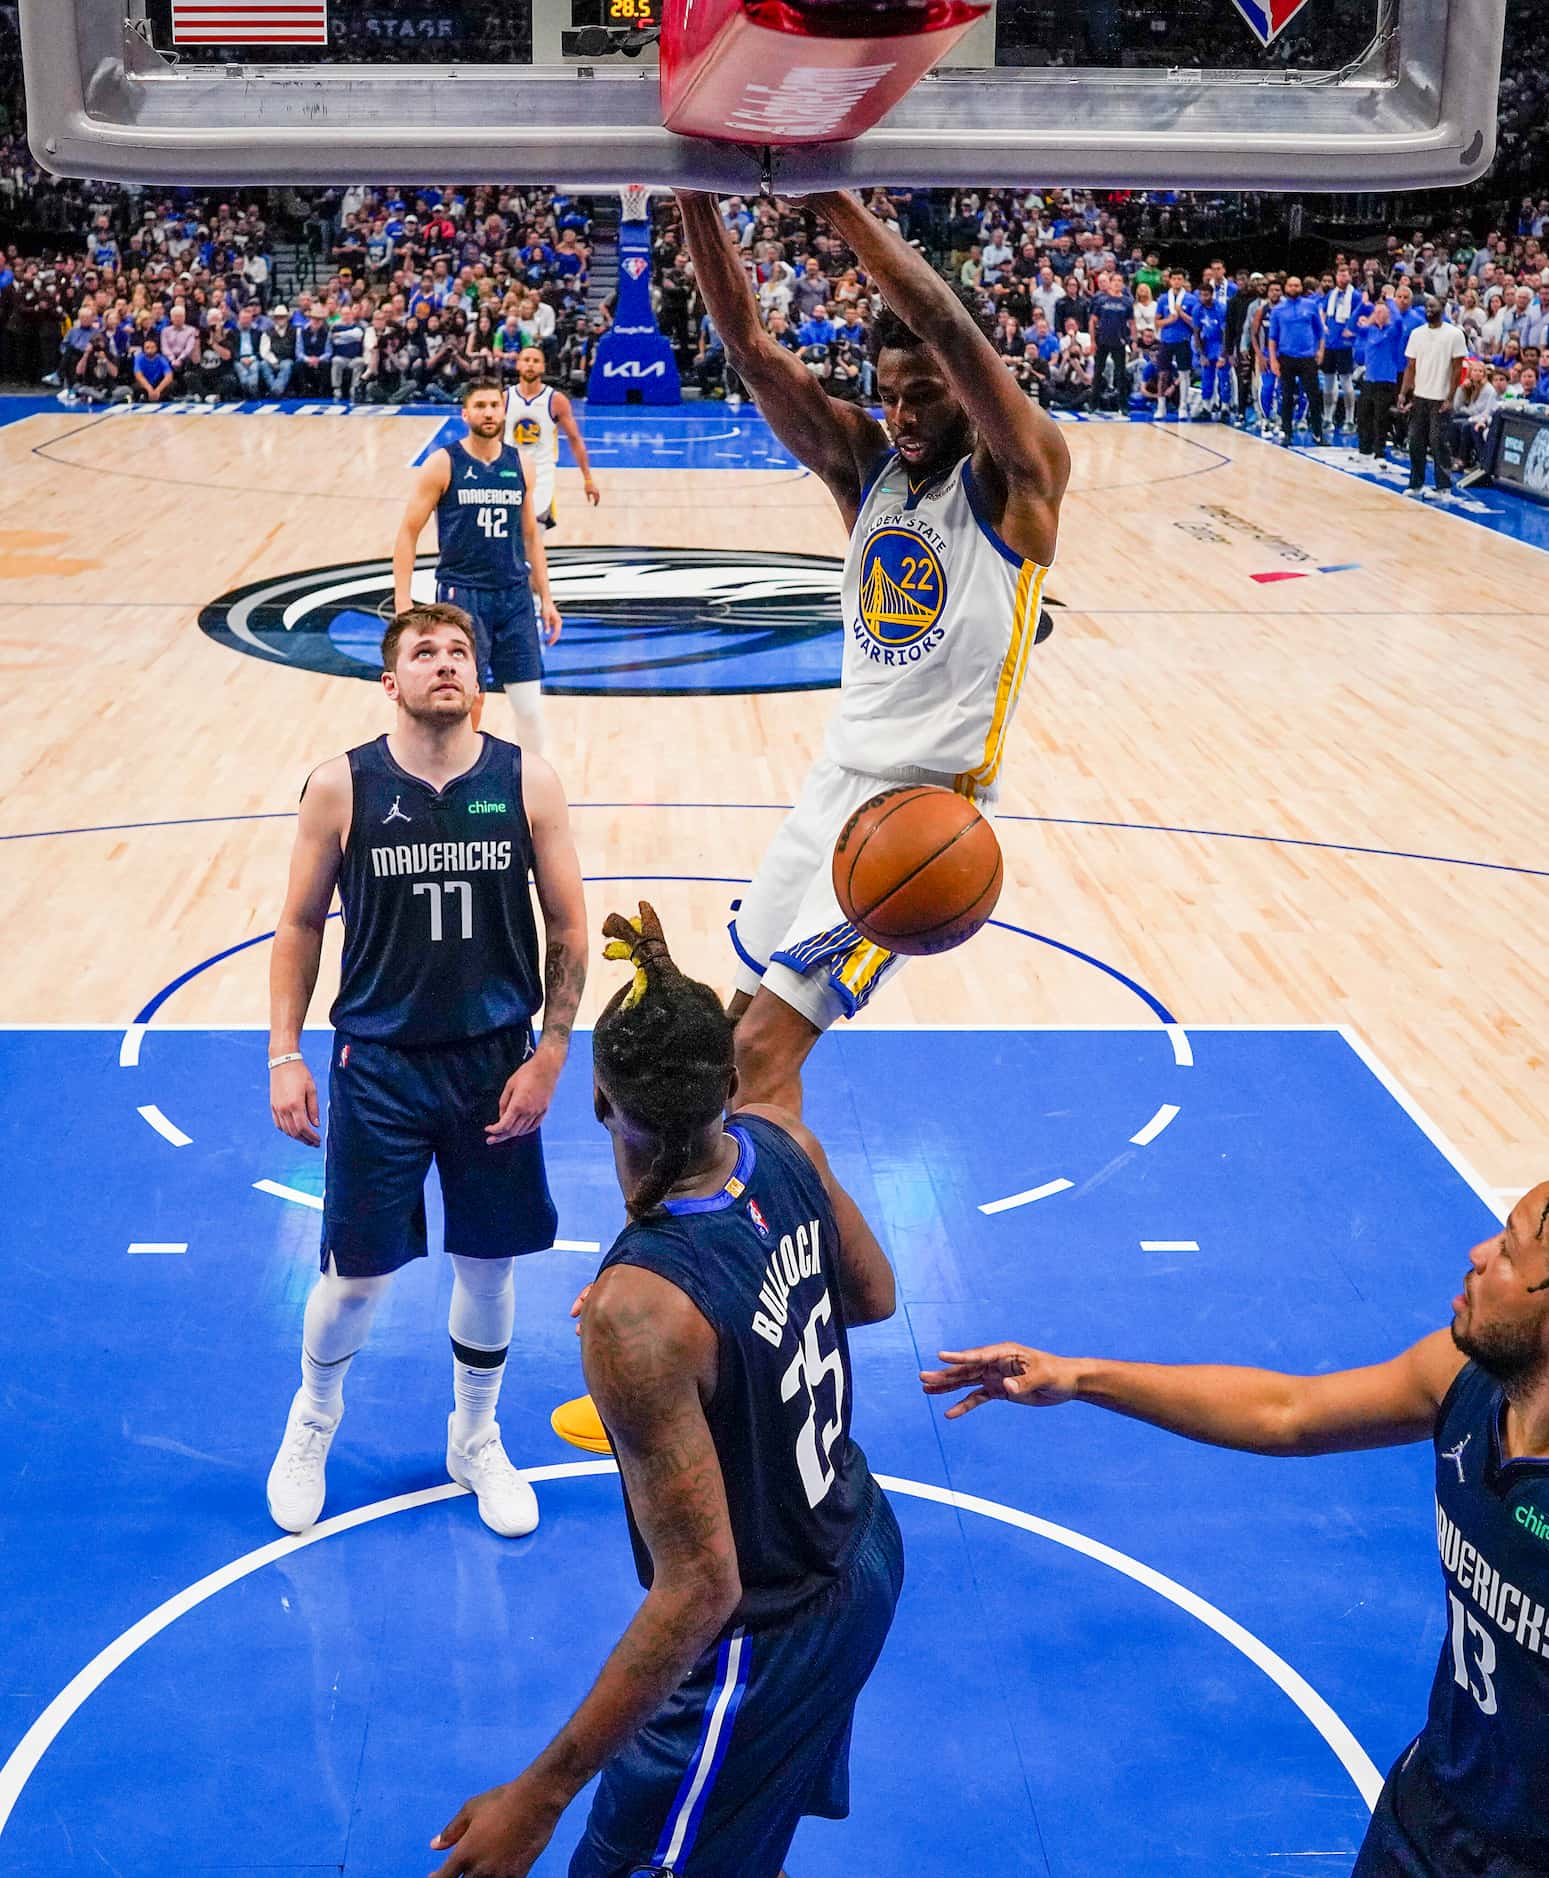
[[637, 202]]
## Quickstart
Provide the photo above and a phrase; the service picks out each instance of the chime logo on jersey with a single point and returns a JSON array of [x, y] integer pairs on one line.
[[639, 622], [903, 583], [1269, 17]]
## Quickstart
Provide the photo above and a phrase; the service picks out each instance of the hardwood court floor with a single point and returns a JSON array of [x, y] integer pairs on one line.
[[1347, 722]]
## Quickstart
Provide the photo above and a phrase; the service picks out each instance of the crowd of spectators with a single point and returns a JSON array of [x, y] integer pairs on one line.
[[175, 296], [125, 293]]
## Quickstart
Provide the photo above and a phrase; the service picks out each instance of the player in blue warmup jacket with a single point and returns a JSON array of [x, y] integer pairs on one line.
[[1468, 1794], [716, 1349], [1210, 352]]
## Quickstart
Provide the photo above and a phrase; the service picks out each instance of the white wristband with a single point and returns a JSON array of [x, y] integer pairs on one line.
[[294, 1057]]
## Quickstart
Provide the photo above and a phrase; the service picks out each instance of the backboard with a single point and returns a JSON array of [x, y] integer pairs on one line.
[[1348, 94]]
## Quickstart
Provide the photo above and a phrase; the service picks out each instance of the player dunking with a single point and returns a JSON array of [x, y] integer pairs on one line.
[[429, 835], [715, 1345], [535, 414], [491, 563], [953, 510], [1468, 1794]]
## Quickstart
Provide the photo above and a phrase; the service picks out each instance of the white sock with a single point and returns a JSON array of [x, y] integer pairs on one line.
[[526, 705], [482, 1313], [338, 1316]]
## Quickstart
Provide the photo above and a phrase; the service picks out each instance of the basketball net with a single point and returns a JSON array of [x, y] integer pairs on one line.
[[637, 202]]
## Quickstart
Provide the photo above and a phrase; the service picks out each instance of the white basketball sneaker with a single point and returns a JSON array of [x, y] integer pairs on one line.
[[507, 1503], [297, 1480]]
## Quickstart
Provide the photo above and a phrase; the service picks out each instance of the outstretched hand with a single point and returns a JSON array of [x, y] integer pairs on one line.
[[1001, 1372]]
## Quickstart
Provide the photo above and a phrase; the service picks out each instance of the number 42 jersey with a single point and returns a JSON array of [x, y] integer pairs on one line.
[[760, 1261]]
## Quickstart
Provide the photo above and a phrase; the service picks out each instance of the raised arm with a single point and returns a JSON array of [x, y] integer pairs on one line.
[[425, 492], [322, 827], [1021, 460], [868, 1291], [837, 441], [557, 871], [1261, 1410]]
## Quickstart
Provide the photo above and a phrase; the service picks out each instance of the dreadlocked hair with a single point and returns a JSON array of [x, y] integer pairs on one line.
[[890, 334], [663, 1053]]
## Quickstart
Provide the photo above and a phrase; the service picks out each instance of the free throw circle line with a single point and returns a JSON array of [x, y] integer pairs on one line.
[[35, 1743]]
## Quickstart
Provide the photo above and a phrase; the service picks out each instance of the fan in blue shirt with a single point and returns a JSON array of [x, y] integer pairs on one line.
[[1177, 314]]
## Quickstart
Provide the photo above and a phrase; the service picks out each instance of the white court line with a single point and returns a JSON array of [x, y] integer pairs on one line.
[[129, 1049], [169, 1131], [152, 1245], [1168, 1112], [1026, 1199], [575, 1245], [293, 1194], [36, 1742], [1422, 1121], [1183, 1050], [1169, 1245]]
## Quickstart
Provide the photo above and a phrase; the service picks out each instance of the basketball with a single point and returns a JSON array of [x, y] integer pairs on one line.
[[917, 870]]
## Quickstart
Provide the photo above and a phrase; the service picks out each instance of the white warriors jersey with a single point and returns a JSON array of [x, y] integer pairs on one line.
[[940, 617], [530, 426]]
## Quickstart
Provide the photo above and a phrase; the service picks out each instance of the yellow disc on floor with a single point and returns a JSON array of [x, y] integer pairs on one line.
[[579, 1423]]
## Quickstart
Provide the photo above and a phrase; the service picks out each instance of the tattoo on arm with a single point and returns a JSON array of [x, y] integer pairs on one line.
[[564, 979]]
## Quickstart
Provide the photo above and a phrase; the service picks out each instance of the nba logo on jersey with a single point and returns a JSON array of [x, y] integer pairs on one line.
[[757, 1218], [635, 266], [903, 590], [1269, 17]]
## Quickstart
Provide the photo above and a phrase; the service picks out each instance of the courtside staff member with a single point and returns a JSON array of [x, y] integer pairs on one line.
[[1295, 353]]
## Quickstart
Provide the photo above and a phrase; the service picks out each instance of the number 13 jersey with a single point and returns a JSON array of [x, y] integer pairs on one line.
[[760, 1262], [940, 618], [440, 941]]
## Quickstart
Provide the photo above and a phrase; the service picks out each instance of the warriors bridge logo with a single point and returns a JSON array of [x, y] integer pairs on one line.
[[639, 622]]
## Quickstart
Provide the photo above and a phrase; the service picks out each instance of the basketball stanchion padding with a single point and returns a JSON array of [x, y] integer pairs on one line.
[[783, 72]]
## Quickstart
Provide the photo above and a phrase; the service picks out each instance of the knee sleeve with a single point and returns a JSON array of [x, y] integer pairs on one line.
[[483, 1303], [338, 1315], [525, 703]]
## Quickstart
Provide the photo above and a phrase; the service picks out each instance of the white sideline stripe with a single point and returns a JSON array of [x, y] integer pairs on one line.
[[129, 1049], [293, 1194], [1183, 1050], [1422, 1121], [36, 1742], [169, 1131], [153, 1245], [1166, 1113], [575, 1245], [707, 1753], [1169, 1245], [1026, 1199]]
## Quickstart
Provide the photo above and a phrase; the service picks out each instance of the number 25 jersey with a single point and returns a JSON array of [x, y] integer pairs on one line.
[[760, 1262], [940, 619], [440, 941]]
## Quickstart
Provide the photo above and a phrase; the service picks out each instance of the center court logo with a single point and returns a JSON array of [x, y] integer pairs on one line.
[[639, 622]]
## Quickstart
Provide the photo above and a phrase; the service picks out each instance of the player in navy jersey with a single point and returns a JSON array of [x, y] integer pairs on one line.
[[715, 1342], [1468, 1794], [429, 835], [492, 563]]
